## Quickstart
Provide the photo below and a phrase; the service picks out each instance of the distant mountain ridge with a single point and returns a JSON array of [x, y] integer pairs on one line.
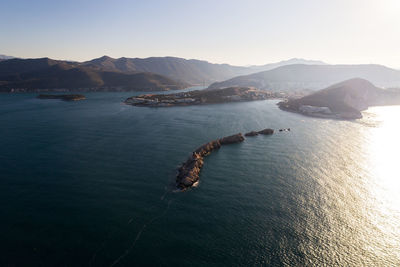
[[4, 57], [165, 73], [47, 74], [189, 70], [28, 74], [292, 61], [344, 100], [301, 76]]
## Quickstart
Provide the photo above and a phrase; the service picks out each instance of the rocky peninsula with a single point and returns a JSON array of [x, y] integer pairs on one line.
[[62, 97], [188, 173], [201, 97], [344, 101]]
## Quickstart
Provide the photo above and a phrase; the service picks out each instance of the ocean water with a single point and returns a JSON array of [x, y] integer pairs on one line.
[[89, 183]]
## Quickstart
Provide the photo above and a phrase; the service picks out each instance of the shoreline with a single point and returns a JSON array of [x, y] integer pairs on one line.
[[201, 97], [333, 116], [197, 104]]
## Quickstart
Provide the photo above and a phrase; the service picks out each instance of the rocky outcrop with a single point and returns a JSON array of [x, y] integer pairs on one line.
[[188, 173], [285, 130], [236, 138], [252, 133], [266, 131], [63, 97], [206, 149]]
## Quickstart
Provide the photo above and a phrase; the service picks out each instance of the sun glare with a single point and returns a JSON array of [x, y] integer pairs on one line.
[[384, 164]]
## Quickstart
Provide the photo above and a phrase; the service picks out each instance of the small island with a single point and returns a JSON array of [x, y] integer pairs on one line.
[[188, 173], [75, 97], [201, 97]]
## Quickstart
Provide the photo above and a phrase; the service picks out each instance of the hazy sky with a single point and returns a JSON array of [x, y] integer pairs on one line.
[[235, 32]]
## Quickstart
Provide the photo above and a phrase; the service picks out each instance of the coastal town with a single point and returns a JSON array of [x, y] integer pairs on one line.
[[199, 97]]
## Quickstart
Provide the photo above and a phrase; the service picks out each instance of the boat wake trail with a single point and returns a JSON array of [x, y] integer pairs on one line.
[[142, 229], [128, 250]]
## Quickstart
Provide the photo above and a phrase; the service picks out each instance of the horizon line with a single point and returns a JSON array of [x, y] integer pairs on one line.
[[208, 61]]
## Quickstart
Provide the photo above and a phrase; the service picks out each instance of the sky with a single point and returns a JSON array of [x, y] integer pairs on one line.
[[248, 32]]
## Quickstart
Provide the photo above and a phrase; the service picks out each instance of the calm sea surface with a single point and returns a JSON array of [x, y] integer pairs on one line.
[[88, 183]]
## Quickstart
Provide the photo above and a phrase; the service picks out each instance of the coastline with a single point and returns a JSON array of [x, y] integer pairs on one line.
[[333, 116], [201, 97]]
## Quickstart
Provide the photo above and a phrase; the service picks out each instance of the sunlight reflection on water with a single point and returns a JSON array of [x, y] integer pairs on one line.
[[383, 163]]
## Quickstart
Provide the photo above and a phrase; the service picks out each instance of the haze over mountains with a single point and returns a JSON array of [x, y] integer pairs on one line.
[[47, 74], [344, 100], [192, 71], [301, 76], [170, 73], [106, 73], [4, 57], [291, 61]]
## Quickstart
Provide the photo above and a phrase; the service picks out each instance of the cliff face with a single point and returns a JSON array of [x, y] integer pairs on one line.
[[344, 100]]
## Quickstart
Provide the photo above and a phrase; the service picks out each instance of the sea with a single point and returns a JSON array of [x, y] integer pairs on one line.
[[91, 183]]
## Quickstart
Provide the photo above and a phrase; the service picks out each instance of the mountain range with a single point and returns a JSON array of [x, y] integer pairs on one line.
[[106, 73], [170, 73], [195, 72], [192, 71], [45, 74], [291, 61], [313, 77]]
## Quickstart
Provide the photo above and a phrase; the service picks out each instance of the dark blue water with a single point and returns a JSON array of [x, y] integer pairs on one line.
[[88, 183]]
